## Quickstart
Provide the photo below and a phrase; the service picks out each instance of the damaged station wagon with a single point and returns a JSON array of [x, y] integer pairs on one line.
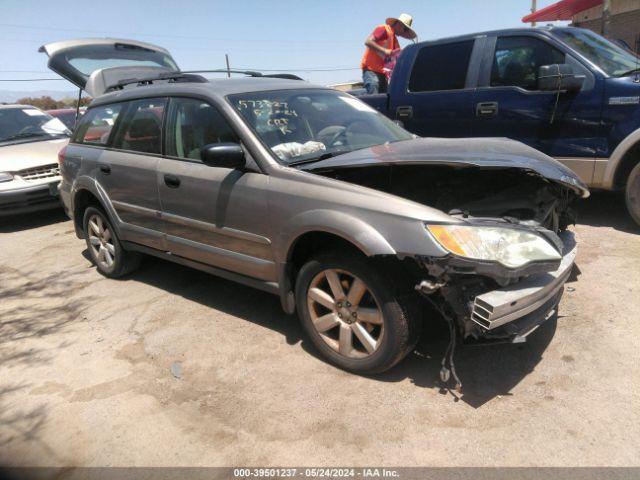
[[310, 194]]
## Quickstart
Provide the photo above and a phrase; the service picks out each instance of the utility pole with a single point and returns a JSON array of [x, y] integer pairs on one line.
[[533, 10], [606, 10], [226, 57]]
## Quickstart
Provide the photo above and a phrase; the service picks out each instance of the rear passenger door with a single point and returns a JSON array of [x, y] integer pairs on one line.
[[122, 158], [128, 170], [214, 215], [437, 98]]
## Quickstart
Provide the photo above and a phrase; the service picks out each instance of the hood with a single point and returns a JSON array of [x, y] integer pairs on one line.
[[470, 152], [14, 158]]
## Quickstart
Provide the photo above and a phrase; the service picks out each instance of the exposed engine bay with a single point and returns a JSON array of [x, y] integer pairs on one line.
[[513, 194], [469, 295]]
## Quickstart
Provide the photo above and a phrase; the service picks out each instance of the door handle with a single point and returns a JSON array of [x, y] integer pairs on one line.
[[487, 109], [171, 181], [106, 169], [404, 112]]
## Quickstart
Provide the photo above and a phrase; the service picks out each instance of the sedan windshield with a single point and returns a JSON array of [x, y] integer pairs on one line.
[[304, 125], [23, 123], [612, 59]]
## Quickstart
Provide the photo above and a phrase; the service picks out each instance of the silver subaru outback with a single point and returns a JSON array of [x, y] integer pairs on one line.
[[303, 191]]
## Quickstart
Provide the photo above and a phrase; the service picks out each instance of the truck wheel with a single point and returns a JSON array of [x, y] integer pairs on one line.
[[104, 246], [352, 315], [632, 194]]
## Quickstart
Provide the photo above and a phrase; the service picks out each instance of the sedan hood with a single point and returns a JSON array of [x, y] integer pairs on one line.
[[14, 158], [472, 152]]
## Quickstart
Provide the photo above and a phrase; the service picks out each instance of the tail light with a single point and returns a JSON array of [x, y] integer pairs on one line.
[[61, 155]]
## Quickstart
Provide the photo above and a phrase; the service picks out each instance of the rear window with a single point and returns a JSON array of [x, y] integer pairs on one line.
[[141, 128], [441, 67], [96, 125]]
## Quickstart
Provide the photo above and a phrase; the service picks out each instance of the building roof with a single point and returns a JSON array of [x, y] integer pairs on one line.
[[562, 10]]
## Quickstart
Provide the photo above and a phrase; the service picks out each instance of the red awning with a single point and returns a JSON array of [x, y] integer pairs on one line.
[[562, 10]]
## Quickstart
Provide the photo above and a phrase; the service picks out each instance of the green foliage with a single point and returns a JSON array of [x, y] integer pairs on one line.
[[48, 103]]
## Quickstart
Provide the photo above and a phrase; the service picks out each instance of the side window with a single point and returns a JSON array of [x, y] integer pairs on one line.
[[141, 127], [96, 125], [193, 124], [441, 67], [517, 60]]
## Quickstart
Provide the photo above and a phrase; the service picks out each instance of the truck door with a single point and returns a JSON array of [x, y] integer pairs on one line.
[[508, 103], [435, 98]]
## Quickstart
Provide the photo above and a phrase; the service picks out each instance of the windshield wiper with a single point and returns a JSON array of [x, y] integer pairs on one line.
[[633, 70], [24, 135], [324, 156]]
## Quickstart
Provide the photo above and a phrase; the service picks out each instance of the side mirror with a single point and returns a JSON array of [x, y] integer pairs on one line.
[[226, 155], [552, 78]]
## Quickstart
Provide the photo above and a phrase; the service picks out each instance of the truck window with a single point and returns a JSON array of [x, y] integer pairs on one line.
[[441, 67], [517, 60]]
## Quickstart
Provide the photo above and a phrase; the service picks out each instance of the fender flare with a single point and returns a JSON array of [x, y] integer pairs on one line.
[[616, 157], [90, 185], [352, 229]]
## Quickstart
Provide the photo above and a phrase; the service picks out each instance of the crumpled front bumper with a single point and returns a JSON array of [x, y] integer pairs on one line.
[[518, 309]]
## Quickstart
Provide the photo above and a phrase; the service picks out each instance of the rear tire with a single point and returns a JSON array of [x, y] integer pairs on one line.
[[632, 194], [104, 247], [353, 315]]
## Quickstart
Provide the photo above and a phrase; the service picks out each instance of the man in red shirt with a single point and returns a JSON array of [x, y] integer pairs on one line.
[[380, 44]]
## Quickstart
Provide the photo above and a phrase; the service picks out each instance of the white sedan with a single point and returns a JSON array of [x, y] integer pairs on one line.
[[30, 140]]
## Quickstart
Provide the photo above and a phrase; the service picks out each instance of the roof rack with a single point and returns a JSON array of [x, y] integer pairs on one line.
[[171, 77], [190, 76], [250, 73]]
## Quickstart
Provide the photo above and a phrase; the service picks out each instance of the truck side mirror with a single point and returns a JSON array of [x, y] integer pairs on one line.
[[559, 77], [226, 155]]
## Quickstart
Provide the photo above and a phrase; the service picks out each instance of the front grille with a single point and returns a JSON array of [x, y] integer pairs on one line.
[[37, 173]]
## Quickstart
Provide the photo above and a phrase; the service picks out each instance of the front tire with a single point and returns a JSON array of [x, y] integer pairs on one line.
[[104, 246], [632, 194], [352, 314]]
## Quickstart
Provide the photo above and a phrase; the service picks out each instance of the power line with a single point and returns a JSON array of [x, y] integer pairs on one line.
[[160, 35], [31, 79]]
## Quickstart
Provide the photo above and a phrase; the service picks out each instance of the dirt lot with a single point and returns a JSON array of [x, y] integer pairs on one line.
[[86, 370]]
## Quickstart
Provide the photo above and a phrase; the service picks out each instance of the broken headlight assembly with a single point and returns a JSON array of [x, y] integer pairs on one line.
[[510, 247]]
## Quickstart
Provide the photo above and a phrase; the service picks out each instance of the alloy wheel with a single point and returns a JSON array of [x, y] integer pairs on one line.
[[101, 241], [345, 313]]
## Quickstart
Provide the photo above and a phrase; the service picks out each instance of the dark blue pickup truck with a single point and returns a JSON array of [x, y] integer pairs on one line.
[[565, 91]]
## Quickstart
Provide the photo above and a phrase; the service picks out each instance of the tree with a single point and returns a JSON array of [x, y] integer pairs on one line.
[[48, 103], [44, 103]]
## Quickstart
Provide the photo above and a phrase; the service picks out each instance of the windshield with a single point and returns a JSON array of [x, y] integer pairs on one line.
[[23, 123], [299, 125], [612, 59]]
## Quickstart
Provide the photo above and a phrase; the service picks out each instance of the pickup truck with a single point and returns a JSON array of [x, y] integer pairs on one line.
[[565, 91]]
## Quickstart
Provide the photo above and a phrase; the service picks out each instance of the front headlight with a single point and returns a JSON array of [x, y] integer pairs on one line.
[[5, 177], [508, 246]]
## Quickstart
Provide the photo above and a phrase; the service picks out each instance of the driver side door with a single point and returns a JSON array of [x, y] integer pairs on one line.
[[213, 215], [509, 104]]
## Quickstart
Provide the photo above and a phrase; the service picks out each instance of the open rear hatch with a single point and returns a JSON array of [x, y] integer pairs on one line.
[[94, 64]]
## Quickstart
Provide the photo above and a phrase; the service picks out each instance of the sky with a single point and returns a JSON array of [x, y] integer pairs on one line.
[[300, 36]]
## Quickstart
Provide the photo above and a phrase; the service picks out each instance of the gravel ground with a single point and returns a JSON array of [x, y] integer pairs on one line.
[[173, 367]]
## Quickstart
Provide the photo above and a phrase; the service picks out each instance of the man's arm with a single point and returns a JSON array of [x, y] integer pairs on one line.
[[379, 49]]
